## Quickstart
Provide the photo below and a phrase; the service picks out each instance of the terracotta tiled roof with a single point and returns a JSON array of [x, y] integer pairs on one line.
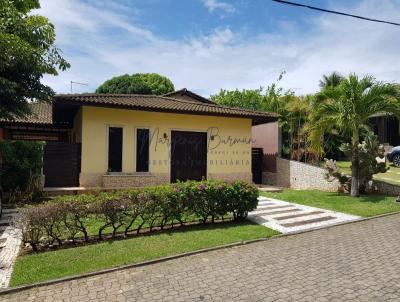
[[164, 104], [41, 114]]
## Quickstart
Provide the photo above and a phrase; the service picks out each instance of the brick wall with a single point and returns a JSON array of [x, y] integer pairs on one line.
[[90, 179], [136, 180], [231, 176]]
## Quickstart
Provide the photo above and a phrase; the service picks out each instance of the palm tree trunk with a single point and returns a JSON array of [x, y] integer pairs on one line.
[[355, 163]]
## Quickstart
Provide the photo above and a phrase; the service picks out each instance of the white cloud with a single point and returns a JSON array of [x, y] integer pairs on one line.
[[213, 5], [223, 58]]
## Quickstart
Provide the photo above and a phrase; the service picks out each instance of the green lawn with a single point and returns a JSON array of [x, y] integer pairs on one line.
[[392, 176], [366, 205], [67, 262]]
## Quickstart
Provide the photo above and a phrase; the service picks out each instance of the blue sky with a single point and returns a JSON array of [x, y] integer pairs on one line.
[[206, 45]]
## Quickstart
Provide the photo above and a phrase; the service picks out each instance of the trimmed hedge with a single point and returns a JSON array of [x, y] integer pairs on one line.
[[70, 218]]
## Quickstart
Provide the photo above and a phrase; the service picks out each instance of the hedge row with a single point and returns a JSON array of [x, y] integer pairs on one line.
[[69, 218]]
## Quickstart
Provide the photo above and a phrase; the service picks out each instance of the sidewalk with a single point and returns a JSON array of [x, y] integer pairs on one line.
[[10, 241]]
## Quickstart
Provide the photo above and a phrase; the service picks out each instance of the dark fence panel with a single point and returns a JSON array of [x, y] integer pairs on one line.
[[257, 164], [61, 164]]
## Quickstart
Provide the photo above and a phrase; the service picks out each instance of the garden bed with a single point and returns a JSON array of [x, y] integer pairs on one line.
[[83, 219]]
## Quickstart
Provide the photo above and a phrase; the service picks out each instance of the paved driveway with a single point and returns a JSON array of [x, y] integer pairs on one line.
[[353, 262]]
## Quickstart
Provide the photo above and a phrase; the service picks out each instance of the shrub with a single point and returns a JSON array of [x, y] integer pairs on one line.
[[83, 216], [21, 168], [111, 209], [242, 199], [77, 210], [29, 221]]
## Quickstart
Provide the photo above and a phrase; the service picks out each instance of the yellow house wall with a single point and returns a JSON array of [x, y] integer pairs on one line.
[[229, 153]]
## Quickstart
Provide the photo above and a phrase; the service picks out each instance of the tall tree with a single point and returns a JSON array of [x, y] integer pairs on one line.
[[293, 112], [331, 80], [332, 139], [27, 52], [247, 98], [138, 83], [347, 108]]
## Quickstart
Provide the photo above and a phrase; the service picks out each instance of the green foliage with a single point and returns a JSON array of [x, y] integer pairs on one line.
[[21, 168], [246, 98], [138, 83], [331, 80], [68, 217], [293, 112], [27, 52]]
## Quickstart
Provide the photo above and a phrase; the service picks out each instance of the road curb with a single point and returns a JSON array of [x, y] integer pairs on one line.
[[181, 255]]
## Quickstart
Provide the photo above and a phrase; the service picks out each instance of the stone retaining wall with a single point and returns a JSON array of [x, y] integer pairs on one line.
[[297, 175], [379, 187]]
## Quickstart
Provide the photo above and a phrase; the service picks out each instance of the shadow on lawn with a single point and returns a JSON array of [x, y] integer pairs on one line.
[[375, 198]]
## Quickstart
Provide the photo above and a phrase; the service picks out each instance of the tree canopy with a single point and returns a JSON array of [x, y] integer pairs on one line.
[[138, 83], [246, 98], [330, 80], [27, 52]]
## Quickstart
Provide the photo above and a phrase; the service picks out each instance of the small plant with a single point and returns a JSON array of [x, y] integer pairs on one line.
[[371, 161], [334, 172]]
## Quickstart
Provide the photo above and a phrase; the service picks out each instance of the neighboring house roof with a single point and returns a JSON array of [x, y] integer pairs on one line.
[[163, 104], [41, 115], [188, 95]]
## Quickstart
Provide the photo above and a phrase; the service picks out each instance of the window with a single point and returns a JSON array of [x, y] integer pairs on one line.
[[142, 150], [115, 149]]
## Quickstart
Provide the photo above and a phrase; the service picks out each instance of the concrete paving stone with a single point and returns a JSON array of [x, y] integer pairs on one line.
[[10, 238], [352, 262]]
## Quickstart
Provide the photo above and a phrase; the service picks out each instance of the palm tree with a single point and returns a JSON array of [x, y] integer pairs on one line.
[[347, 108], [331, 80]]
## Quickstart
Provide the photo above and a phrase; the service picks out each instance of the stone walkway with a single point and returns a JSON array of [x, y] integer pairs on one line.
[[287, 217], [10, 241], [352, 262]]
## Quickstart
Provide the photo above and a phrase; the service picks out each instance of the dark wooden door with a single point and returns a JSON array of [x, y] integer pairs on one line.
[[61, 164], [188, 155], [257, 164]]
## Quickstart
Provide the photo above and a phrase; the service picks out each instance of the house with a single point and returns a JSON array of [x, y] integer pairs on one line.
[[115, 140]]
